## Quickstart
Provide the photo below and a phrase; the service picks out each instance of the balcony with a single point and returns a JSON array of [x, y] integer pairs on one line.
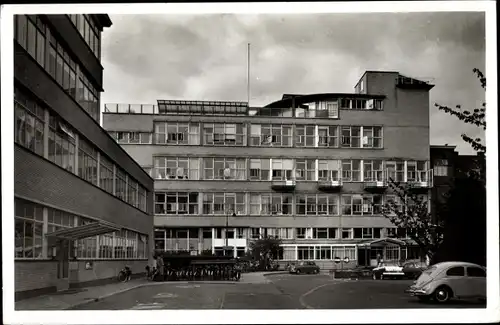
[[420, 180], [375, 181], [330, 184], [283, 185]]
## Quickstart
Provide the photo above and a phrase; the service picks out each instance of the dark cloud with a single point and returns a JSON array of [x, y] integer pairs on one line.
[[204, 57]]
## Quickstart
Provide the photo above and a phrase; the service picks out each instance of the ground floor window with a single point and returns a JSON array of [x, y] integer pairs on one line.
[[30, 237], [28, 230]]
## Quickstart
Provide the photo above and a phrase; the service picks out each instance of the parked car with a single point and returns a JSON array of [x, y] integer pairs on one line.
[[386, 270], [450, 280], [305, 267], [412, 270]]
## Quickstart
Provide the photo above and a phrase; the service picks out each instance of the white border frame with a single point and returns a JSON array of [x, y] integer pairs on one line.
[[490, 314]]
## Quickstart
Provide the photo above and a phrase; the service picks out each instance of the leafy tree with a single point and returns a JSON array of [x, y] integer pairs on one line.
[[476, 117], [410, 214], [264, 250]]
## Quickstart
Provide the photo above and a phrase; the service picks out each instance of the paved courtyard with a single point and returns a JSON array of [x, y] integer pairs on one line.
[[283, 291]]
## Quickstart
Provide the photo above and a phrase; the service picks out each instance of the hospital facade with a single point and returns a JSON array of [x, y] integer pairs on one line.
[[83, 206], [312, 170]]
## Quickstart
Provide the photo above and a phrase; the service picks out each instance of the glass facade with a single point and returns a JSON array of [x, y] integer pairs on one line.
[[31, 241]]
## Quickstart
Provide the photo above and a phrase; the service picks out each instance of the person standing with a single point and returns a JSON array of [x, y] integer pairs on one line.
[[161, 266]]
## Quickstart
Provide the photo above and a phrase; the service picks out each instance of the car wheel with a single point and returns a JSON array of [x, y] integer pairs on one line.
[[297, 272], [374, 276], [381, 276], [316, 271], [442, 294]]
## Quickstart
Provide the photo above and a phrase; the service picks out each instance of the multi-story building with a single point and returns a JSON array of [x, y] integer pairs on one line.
[[83, 206], [311, 170], [447, 164]]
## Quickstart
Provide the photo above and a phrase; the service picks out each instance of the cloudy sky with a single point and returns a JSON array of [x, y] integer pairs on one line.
[[204, 57]]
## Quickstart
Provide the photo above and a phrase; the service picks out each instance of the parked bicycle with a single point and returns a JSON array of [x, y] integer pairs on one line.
[[125, 274]]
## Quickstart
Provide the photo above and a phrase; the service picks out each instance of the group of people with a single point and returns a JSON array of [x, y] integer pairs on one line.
[[158, 267]]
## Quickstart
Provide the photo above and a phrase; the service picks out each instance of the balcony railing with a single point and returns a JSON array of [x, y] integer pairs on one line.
[[375, 179], [330, 183], [285, 184], [421, 179]]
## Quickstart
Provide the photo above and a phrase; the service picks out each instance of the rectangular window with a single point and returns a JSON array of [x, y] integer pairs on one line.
[[305, 136], [373, 171], [271, 204], [351, 137], [21, 30], [173, 133], [29, 122], [359, 204], [328, 136], [87, 161], [28, 230], [347, 233], [145, 138], [395, 170], [62, 145], [121, 184], [328, 170], [106, 174], [372, 137], [260, 169], [305, 169], [305, 252], [224, 168], [221, 134], [282, 169], [134, 137], [176, 203], [142, 198], [440, 167], [271, 135], [132, 191], [176, 168], [224, 203], [351, 170]]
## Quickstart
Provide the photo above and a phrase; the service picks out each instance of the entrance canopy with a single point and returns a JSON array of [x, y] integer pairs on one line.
[[85, 231], [383, 242]]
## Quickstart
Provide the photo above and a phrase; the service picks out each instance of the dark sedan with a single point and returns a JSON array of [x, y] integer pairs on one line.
[[412, 270], [305, 267]]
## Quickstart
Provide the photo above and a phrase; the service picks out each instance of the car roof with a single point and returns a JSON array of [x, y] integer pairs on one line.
[[448, 264]]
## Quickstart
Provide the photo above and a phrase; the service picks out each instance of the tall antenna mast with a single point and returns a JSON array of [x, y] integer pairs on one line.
[[248, 75]]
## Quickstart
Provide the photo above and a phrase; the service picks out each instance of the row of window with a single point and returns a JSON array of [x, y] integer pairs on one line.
[[30, 120], [31, 33], [307, 169], [88, 30], [260, 135], [31, 241], [280, 233], [223, 203]]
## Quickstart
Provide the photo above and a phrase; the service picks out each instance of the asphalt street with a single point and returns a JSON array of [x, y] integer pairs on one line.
[[285, 291]]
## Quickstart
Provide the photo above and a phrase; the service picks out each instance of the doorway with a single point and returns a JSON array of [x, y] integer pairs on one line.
[[62, 254]]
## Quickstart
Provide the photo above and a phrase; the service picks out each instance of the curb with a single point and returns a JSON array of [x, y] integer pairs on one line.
[[275, 273]]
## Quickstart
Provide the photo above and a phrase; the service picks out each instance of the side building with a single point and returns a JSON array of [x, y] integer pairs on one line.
[[448, 165], [83, 206], [311, 170]]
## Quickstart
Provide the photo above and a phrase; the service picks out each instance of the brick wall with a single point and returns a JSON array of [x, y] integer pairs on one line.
[[30, 275], [103, 269], [40, 180]]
